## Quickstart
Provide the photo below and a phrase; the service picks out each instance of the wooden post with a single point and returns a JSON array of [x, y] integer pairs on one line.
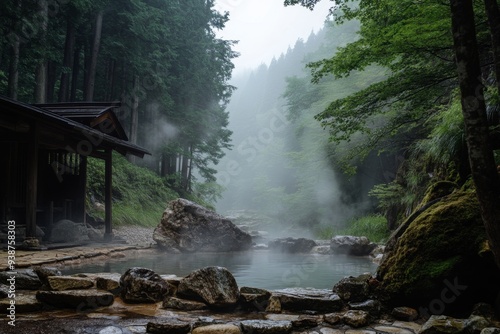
[[83, 184], [108, 193], [32, 181]]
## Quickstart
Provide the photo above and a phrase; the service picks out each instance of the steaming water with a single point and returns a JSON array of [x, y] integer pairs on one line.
[[262, 269]]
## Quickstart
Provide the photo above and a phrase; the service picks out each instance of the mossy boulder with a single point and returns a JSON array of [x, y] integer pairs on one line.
[[437, 190], [440, 260]]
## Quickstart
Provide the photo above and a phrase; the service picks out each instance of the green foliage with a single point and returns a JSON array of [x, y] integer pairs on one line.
[[139, 195], [374, 227]]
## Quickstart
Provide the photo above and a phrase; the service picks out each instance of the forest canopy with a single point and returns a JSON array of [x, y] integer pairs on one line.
[[161, 59]]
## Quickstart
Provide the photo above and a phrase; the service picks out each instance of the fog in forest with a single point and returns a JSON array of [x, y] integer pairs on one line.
[[282, 164]]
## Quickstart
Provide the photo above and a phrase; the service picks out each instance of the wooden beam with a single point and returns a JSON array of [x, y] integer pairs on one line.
[[108, 193], [32, 181]]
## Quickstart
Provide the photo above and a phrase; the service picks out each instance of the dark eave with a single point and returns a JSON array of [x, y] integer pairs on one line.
[[23, 112]]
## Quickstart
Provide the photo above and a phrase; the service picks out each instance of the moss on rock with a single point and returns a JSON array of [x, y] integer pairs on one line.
[[443, 244], [437, 190]]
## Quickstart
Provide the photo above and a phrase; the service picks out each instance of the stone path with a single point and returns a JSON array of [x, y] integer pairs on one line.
[[24, 259], [121, 318]]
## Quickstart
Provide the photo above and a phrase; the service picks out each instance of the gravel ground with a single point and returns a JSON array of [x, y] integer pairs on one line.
[[135, 235]]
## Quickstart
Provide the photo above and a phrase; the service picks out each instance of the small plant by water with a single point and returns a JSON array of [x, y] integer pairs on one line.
[[374, 227]]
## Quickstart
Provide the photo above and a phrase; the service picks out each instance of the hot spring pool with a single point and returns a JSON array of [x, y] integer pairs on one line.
[[261, 269]]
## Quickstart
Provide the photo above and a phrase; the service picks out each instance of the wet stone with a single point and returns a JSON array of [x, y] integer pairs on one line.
[[171, 326], [371, 306], [4, 291], [332, 318], [305, 322], [216, 286], [443, 324], [183, 304], [274, 305], [298, 299], [217, 329], [80, 300], [254, 298], [327, 330], [491, 330], [109, 282], [404, 313], [390, 329], [60, 283], [24, 304], [476, 323], [25, 279], [353, 289], [413, 326], [266, 327], [356, 318], [111, 330], [44, 272], [292, 245], [142, 285]]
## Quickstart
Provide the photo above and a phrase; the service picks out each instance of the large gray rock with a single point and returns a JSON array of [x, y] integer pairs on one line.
[[142, 285], [292, 245], [68, 231], [351, 245], [216, 286], [79, 300], [24, 279], [188, 227], [299, 299]]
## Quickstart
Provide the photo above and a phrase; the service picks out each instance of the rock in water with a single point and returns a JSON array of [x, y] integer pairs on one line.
[[189, 227], [141, 285], [351, 245], [292, 245], [216, 286]]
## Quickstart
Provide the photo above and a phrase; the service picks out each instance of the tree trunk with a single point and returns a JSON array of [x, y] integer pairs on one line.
[[134, 122], [89, 89], [14, 68], [75, 72], [51, 80], [110, 80], [494, 22], [484, 172], [185, 167], [69, 47], [41, 71]]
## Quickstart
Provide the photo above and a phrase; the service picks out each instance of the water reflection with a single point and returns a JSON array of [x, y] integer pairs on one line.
[[261, 269]]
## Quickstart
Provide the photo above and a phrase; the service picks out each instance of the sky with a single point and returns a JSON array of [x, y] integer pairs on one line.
[[266, 28]]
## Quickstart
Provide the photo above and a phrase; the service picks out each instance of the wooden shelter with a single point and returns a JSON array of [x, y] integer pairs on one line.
[[44, 152]]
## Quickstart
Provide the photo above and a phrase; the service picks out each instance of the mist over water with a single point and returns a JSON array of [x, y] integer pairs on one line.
[[279, 165], [260, 269]]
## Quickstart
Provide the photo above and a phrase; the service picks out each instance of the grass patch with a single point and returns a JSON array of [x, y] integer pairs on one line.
[[374, 227], [139, 195]]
